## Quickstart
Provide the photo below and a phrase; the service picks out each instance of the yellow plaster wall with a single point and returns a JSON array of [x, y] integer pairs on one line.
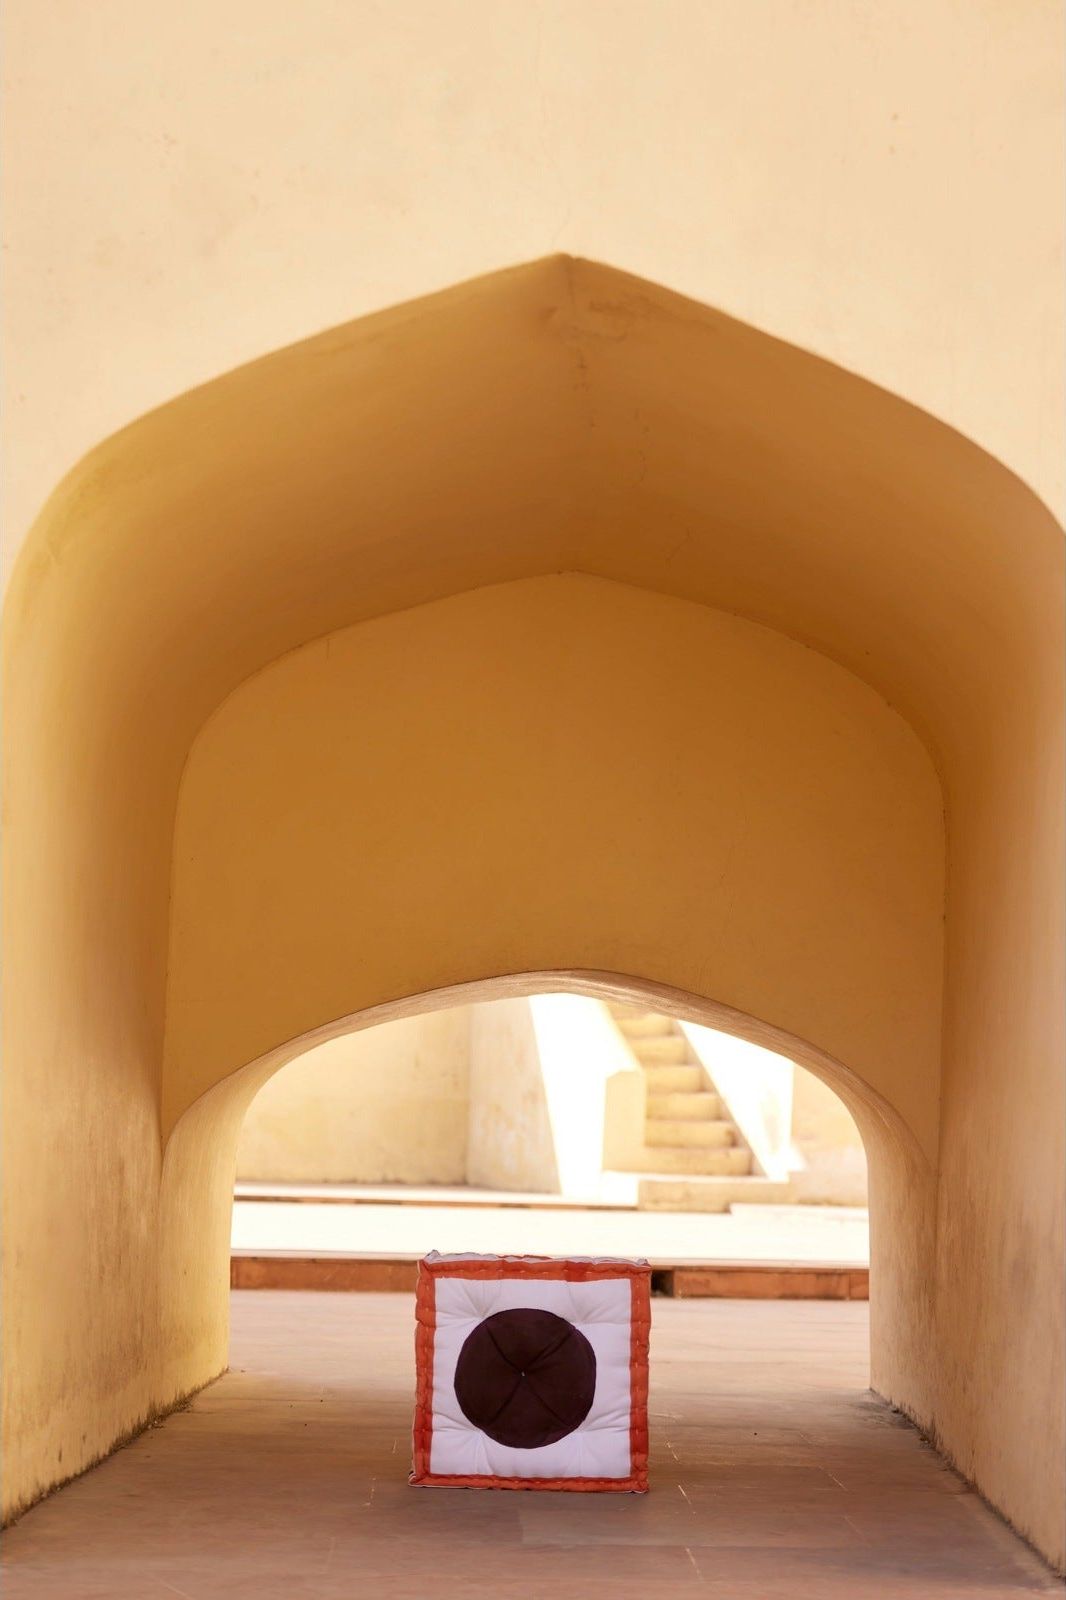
[[446, 792], [561, 418], [795, 872], [386, 1105], [1001, 1235]]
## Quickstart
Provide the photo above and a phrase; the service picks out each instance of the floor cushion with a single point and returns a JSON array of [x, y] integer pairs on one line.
[[532, 1373]]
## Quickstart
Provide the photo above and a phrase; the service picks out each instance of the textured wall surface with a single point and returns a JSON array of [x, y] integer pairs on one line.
[[808, 827], [511, 1144], [387, 1105], [558, 419], [882, 185]]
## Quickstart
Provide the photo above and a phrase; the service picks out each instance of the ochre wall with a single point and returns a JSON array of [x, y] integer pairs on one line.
[[490, 818], [1001, 1234], [511, 1144], [558, 419], [880, 185], [386, 1105]]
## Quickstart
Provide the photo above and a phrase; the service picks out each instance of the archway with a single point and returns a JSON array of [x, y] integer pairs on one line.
[[896, 1164], [653, 449], [549, 1100]]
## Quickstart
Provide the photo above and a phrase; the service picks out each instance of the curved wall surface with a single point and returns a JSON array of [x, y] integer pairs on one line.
[[882, 185], [500, 454], [559, 772]]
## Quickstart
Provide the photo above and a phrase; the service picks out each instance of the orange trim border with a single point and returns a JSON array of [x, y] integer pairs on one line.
[[542, 1268]]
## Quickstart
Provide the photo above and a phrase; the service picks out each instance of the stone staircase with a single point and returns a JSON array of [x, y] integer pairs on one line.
[[694, 1154]]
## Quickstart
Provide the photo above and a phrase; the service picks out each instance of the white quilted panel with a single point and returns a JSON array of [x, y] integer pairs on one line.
[[599, 1447]]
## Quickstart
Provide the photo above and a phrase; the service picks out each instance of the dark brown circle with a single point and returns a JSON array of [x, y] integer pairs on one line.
[[526, 1377]]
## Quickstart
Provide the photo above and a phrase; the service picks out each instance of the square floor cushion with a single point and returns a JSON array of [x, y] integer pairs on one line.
[[532, 1373]]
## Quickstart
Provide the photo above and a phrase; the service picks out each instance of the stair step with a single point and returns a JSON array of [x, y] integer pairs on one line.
[[673, 1080], [670, 1047], [687, 1106], [648, 1026], [694, 1160], [716, 1193], [660, 1131]]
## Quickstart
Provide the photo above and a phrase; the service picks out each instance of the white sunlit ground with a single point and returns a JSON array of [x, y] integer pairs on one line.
[[410, 1222]]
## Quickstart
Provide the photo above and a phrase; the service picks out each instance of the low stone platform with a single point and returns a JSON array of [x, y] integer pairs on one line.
[[753, 1280]]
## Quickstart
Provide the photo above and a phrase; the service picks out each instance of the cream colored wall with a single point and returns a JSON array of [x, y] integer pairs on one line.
[[510, 1144], [543, 1114], [511, 1094], [833, 1170], [799, 1130], [388, 1105], [880, 184], [582, 1057]]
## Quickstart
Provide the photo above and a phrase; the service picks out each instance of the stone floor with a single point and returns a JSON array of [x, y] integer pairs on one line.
[[774, 1473]]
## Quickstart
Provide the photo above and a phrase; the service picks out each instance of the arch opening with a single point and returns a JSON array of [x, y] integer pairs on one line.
[[567, 1084], [201, 1151]]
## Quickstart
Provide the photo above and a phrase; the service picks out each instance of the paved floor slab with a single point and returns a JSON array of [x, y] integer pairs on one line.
[[774, 1473]]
